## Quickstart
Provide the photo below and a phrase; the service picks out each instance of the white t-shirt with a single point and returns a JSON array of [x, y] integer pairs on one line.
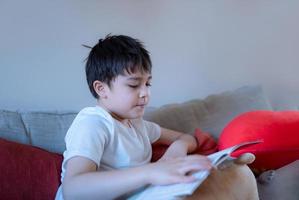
[[95, 135]]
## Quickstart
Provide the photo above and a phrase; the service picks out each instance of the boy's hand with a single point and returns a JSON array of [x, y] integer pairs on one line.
[[176, 170]]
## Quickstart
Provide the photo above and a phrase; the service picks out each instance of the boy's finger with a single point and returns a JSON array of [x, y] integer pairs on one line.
[[186, 179], [197, 158], [187, 168], [244, 159]]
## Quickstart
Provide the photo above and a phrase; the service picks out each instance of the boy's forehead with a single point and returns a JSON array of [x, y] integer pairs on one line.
[[137, 76]]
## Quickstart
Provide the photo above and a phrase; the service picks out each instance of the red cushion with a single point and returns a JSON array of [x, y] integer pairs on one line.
[[158, 151], [206, 145], [279, 131], [28, 172]]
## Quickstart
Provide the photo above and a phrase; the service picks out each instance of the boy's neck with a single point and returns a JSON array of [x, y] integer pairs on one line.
[[124, 121]]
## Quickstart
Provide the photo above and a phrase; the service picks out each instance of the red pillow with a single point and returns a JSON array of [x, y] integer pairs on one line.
[[28, 172], [206, 145], [279, 131]]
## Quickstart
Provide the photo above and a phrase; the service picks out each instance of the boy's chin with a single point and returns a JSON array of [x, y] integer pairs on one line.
[[138, 114]]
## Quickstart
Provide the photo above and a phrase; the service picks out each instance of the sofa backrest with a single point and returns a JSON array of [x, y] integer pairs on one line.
[[41, 129], [212, 113], [47, 129]]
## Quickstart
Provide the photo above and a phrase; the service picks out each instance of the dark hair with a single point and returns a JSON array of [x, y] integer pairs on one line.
[[113, 56]]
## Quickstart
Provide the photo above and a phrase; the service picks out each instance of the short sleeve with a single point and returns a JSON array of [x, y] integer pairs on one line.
[[88, 137], [153, 130]]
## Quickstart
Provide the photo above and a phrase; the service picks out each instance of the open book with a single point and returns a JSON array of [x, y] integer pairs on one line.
[[170, 192]]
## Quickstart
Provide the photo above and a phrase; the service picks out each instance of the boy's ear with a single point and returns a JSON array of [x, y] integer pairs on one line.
[[100, 88]]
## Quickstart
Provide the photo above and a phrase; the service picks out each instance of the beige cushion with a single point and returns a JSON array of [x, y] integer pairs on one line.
[[210, 114]]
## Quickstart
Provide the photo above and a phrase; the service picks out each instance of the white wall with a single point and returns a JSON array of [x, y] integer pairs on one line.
[[198, 47]]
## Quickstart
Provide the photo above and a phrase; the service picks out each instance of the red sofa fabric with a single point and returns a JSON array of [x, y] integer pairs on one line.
[[28, 172]]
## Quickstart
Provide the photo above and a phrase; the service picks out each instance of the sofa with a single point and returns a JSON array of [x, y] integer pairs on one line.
[[32, 142]]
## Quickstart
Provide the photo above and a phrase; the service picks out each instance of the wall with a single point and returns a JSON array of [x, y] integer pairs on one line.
[[197, 48]]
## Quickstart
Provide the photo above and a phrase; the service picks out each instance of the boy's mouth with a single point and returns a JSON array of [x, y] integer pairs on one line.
[[141, 105]]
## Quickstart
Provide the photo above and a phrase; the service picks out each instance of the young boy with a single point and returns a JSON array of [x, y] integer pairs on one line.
[[108, 147]]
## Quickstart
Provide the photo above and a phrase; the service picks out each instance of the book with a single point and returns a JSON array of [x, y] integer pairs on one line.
[[176, 191]]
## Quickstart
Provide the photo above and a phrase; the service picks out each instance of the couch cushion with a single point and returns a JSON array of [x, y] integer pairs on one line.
[[12, 127], [277, 129], [284, 184], [47, 129], [210, 114], [28, 172]]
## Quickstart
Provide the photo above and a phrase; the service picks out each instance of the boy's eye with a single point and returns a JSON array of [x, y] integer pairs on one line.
[[133, 86], [136, 86]]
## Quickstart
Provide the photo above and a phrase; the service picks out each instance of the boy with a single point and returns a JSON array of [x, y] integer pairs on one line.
[[108, 147]]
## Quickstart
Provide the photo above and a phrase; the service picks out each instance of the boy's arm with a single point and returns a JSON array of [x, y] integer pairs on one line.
[[82, 181], [180, 143]]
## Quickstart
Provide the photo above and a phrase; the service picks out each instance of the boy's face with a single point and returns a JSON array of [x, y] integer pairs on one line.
[[128, 95]]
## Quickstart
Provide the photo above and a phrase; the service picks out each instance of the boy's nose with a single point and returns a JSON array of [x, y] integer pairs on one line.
[[144, 92]]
